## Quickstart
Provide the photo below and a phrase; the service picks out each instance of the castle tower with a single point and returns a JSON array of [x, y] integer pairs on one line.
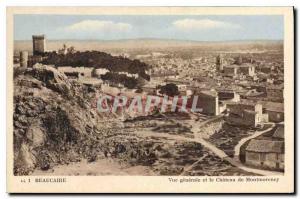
[[23, 58], [39, 44]]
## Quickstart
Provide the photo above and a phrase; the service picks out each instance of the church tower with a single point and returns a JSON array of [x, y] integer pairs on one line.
[[219, 62]]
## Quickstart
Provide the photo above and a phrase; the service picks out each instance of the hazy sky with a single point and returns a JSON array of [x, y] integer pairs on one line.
[[189, 27]]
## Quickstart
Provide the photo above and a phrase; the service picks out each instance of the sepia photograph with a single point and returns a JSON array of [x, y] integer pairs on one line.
[[181, 93]]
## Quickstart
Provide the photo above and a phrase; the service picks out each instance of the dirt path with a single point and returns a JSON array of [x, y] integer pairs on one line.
[[209, 146], [233, 161], [197, 138]]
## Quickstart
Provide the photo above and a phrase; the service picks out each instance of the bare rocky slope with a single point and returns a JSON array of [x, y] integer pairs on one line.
[[51, 117]]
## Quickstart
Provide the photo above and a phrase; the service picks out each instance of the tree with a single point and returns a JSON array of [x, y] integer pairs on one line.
[[94, 72], [97, 60], [169, 89]]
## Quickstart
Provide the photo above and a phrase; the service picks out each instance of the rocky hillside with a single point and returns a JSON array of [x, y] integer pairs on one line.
[[53, 121]]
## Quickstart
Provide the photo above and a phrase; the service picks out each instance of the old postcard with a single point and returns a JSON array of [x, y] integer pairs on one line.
[[150, 100]]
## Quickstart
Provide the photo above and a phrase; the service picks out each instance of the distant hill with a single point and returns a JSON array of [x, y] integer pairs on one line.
[[157, 44]]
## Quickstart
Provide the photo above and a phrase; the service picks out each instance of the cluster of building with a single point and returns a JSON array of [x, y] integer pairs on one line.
[[260, 101], [253, 94], [171, 67], [216, 87]]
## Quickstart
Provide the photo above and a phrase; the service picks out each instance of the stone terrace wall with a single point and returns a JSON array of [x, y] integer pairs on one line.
[[211, 126]]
